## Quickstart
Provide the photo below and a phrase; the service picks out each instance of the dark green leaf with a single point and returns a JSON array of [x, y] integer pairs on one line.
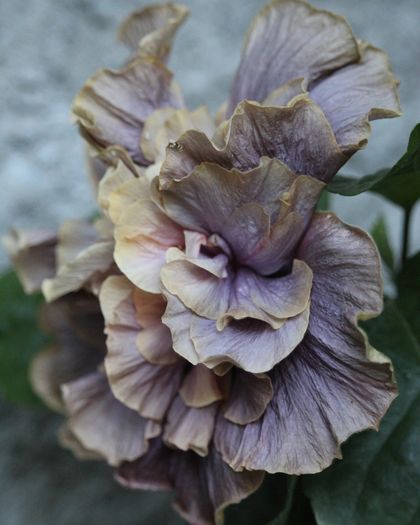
[[380, 236], [377, 482], [408, 283], [400, 184], [20, 339], [297, 509], [324, 202], [263, 505]]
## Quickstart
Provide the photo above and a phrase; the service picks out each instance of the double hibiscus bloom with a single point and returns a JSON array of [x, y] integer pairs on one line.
[[230, 306]]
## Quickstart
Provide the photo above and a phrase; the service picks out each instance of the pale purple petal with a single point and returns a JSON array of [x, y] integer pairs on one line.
[[357, 94], [103, 424], [248, 397], [332, 385], [113, 105], [290, 39], [298, 134]]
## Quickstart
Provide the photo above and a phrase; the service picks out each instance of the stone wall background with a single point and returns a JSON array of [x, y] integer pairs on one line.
[[49, 48]]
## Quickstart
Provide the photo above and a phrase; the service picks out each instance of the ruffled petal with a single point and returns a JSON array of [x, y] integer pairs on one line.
[[357, 94], [145, 387], [103, 424], [261, 214], [242, 294], [298, 134], [189, 428], [289, 39], [333, 384], [113, 105], [208, 197], [149, 32], [248, 344], [204, 487], [33, 256], [178, 319], [76, 326], [119, 188], [91, 264]]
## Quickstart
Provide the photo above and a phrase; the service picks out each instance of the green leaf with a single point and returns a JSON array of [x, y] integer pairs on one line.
[[297, 509], [408, 283], [263, 505], [377, 482], [400, 184], [380, 236], [324, 202], [20, 339]]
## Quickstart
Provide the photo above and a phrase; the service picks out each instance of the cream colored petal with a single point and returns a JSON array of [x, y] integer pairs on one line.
[[201, 387], [165, 125], [143, 235], [115, 176], [116, 300], [155, 345], [189, 428]]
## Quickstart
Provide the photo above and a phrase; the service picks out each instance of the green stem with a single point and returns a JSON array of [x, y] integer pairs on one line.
[[406, 234]]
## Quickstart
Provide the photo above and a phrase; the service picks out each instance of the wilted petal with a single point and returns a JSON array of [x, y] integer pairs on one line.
[[165, 125], [103, 424], [201, 387], [143, 234], [249, 344], [76, 326], [357, 94], [248, 397], [290, 39], [203, 486], [113, 105], [145, 387], [33, 256], [149, 31], [74, 237], [90, 264], [189, 428], [298, 134], [69, 441], [332, 385]]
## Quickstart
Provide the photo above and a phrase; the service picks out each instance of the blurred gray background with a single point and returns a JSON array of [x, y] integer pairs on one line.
[[49, 48]]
